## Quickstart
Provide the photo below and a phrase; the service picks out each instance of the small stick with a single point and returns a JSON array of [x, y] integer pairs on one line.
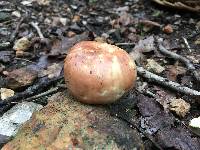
[[184, 60], [34, 25], [165, 82], [186, 44], [30, 91], [14, 34], [124, 44], [41, 36], [51, 91]]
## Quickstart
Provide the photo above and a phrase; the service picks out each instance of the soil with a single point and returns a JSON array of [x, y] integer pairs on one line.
[[123, 23]]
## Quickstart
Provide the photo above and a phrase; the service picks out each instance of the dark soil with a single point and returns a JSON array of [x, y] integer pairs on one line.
[[104, 21]]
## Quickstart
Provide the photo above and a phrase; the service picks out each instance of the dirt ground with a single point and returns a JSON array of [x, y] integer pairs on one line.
[[134, 25]]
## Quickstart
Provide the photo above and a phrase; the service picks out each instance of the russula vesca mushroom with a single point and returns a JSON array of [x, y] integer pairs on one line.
[[98, 73]]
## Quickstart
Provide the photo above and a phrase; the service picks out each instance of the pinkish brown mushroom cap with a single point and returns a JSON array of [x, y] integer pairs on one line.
[[98, 73]]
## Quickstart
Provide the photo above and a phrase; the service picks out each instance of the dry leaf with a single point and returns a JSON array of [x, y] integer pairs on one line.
[[6, 93], [180, 107]]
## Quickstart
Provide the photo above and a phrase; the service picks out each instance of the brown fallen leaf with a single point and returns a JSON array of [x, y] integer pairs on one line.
[[148, 25], [22, 44], [60, 47], [21, 77], [163, 97], [174, 70], [52, 71], [193, 5], [144, 45], [125, 19], [168, 29], [180, 107], [153, 66]]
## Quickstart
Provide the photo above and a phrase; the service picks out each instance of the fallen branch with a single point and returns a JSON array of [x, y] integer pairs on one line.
[[187, 44], [14, 34], [124, 44], [46, 93], [41, 38], [34, 25], [42, 84], [184, 60], [165, 82]]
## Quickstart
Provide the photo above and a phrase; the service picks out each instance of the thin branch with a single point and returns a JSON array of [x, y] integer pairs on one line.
[[42, 84], [14, 34], [165, 82], [124, 44], [184, 60], [46, 93], [186, 44], [34, 25]]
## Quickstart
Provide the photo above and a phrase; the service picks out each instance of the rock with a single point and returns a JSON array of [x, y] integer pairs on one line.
[[195, 125], [6, 93], [22, 44], [168, 29], [11, 121], [21, 77], [153, 66], [67, 124], [16, 14], [3, 139], [6, 56], [43, 2]]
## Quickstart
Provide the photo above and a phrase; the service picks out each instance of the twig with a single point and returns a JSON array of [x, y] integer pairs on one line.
[[13, 35], [165, 82], [124, 44], [23, 59], [34, 25], [39, 87], [184, 60], [186, 44], [42, 39], [51, 91], [132, 124]]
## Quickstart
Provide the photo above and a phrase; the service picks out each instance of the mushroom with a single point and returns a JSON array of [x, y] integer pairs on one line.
[[98, 73]]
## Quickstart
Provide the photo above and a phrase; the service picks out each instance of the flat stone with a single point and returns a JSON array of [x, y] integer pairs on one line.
[[6, 56], [68, 124], [21, 77], [11, 121]]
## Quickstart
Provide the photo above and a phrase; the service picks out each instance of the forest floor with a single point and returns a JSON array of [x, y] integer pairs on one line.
[[36, 35]]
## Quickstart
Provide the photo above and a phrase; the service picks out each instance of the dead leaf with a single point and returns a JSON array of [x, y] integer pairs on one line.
[[60, 47], [174, 70], [164, 97], [125, 19], [168, 29], [145, 45], [52, 71], [149, 25], [21, 77], [6, 93], [153, 66], [180, 107], [22, 44]]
